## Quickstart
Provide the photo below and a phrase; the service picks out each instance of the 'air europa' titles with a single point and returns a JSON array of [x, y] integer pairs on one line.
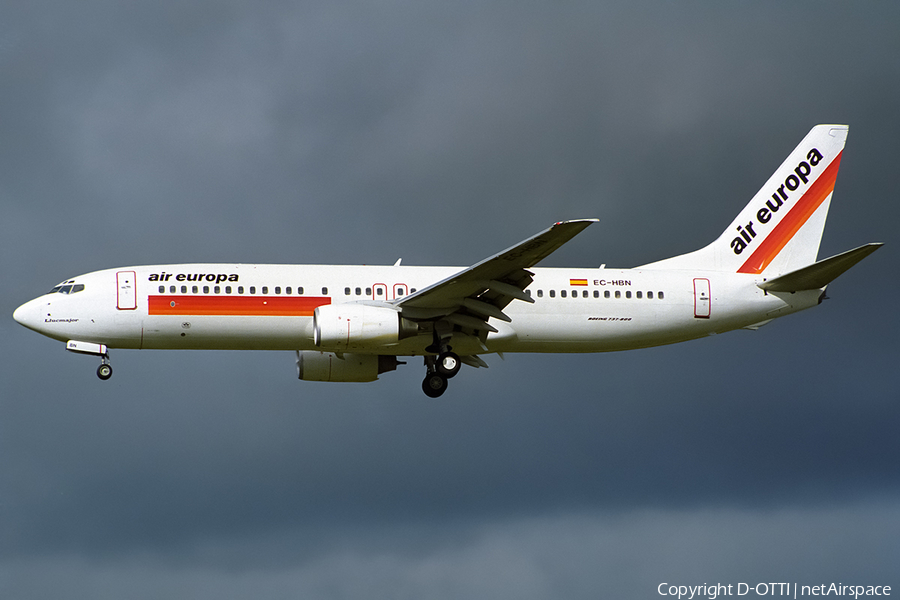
[[779, 197], [211, 277]]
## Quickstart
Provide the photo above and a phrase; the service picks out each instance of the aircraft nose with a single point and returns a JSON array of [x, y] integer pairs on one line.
[[27, 315]]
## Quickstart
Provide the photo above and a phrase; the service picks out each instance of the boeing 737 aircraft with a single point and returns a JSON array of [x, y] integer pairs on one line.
[[351, 323]]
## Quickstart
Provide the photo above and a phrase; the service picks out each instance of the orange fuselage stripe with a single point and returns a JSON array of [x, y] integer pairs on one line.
[[256, 306], [793, 221]]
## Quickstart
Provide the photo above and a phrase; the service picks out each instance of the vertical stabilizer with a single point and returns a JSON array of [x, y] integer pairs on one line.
[[780, 229]]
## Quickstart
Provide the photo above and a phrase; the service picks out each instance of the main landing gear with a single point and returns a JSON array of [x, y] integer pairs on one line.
[[439, 370], [442, 367]]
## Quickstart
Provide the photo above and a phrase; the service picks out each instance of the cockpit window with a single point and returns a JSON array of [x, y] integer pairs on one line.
[[68, 289]]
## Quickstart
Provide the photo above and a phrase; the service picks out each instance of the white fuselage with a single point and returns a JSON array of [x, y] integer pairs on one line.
[[349, 323], [270, 307]]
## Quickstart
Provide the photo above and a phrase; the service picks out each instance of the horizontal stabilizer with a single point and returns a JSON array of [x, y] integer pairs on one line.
[[820, 274]]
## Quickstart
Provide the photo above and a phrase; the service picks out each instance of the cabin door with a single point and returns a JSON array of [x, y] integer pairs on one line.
[[126, 294], [701, 299]]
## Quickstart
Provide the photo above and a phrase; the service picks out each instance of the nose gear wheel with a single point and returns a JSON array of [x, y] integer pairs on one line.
[[104, 371]]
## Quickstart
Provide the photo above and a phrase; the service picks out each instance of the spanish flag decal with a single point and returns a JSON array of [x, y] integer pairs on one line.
[[578, 282]]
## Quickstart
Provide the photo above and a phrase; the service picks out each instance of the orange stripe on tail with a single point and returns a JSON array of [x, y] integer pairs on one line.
[[778, 238]]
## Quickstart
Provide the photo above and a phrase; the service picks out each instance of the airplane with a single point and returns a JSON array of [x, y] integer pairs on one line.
[[353, 323]]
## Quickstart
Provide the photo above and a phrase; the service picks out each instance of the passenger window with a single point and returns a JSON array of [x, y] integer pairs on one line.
[[596, 293], [205, 289], [172, 289], [660, 295], [287, 290], [194, 290], [358, 291], [278, 289], [368, 291], [346, 291], [300, 290], [650, 295], [618, 294], [184, 289], [540, 293], [640, 295], [584, 294], [628, 294], [252, 289], [324, 291], [227, 289], [553, 293], [162, 290], [606, 294], [265, 289], [217, 290], [240, 289], [562, 293], [412, 290], [378, 291]]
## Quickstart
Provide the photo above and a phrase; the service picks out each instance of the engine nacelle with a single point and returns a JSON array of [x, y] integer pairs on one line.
[[313, 365], [352, 326]]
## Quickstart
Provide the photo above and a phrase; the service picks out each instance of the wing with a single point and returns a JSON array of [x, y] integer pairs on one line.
[[469, 298]]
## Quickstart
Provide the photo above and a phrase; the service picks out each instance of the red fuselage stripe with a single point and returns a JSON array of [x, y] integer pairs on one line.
[[257, 306]]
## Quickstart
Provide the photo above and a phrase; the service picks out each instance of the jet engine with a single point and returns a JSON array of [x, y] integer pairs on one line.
[[313, 365], [351, 326]]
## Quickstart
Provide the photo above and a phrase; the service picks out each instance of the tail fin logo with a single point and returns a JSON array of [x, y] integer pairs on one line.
[[790, 223], [779, 197]]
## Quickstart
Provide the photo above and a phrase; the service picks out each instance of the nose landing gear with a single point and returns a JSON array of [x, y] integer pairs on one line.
[[104, 371]]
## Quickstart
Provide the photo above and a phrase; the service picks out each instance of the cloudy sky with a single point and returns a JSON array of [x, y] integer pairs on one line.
[[162, 131]]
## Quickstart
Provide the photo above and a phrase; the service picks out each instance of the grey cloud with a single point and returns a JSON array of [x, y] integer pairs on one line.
[[572, 555]]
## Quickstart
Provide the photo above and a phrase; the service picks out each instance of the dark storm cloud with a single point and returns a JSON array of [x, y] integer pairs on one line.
[[156, 132]]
